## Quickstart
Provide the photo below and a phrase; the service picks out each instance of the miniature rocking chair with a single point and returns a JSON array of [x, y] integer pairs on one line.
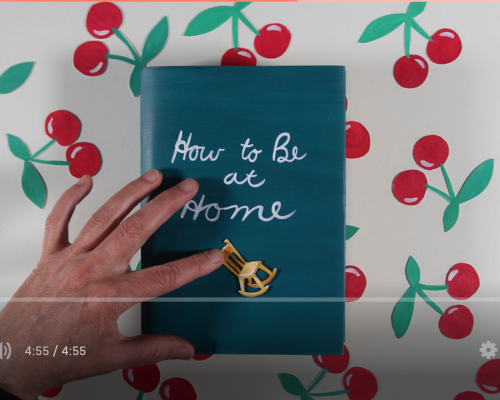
[[246, 271]]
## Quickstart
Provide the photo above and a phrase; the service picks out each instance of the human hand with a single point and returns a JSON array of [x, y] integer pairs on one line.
[[78, 290]]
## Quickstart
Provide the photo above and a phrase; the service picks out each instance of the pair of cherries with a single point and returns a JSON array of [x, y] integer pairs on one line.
[[273, 40], [64, 127], [147, 378], [90, 57], [462, 281], [445, 48], [429, 153], [487, 379], [360, 382]]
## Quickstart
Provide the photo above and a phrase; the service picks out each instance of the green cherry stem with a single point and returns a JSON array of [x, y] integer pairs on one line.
[[448, 182], [235, 22], [408, 36], [317, 380], [434, 287], [329, 393], [141, 395], [43, 149], [51, 162], [120, 58], [430, 302], [34, 156], [245, 20], [120, 36], [439, 192], [420, 30]]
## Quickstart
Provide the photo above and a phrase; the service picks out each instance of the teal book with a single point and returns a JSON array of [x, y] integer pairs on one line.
[[267, 147]]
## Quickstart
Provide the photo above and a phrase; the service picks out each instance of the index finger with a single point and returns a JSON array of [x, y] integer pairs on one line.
[[132, 233]]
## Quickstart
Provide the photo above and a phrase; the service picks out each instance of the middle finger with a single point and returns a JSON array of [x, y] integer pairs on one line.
[[132, 233]]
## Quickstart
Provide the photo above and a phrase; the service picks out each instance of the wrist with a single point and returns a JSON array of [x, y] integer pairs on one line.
[[16, 378], [10, 381]]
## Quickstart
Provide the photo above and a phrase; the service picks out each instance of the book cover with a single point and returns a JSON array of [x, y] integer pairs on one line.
[[267, 147]]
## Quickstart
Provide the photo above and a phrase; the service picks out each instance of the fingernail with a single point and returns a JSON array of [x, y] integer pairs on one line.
[[182, 353], [215, 256], [150, 176], [188, 185], [82, 180]]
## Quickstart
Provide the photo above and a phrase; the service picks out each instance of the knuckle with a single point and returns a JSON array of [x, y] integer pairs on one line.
[[105, 289], [52, 222], [133, 227], [101, 218], [153, 355], [196, 262], [168, 197], [130, 189], [167, 276], [82, 270]]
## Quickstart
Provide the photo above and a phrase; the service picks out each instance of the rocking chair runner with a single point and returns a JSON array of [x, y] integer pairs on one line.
[[243, 270]]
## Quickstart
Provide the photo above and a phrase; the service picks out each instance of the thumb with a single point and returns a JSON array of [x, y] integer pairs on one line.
[[151, 349]]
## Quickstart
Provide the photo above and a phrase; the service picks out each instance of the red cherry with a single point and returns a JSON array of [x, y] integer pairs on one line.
[[463, 281], [89, 58], [355, 283], [357, 140], [273, 41], [445, 47], [64, 126], [488, 377], [177, 389], [85, 159], [202, 357], [335, 364], [145, 378], [430, 152], [408, 187], [361, 383], [469, 396], [52, 392], [238, 58], [457, 322], [102, 18], [411, 72]]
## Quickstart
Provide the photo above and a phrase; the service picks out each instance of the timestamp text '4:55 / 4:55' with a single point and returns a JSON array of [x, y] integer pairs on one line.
[[66, 350]]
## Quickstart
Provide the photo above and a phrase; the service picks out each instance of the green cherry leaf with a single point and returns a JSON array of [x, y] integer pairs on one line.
[[240, 5], [33, 185], [15, 76], [17, 147], [135, 81], [155, 41], [401, 316], [208, 20], [381, 26], [450, 216], [138, 267], [415, 8], [413, 272], [292, 384], [477, 181], [350, 231]]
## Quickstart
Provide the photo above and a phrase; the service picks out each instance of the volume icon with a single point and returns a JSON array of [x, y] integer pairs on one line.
[[5, 350]]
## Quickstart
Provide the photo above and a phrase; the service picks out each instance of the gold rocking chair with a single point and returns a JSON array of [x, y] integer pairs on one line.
[[243, 270]]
